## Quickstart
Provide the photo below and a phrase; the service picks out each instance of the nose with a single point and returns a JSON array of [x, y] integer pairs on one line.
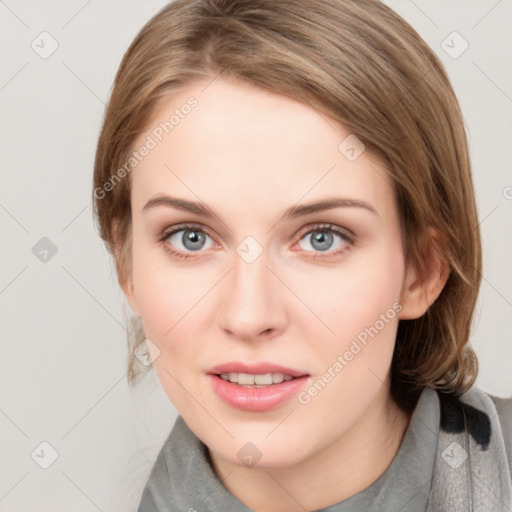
[[253, 304]]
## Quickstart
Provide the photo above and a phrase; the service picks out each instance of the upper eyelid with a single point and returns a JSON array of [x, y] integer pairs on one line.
[[172, 230], [327, 226]]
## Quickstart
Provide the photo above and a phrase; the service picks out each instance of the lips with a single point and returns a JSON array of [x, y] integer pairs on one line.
[[256, 387]]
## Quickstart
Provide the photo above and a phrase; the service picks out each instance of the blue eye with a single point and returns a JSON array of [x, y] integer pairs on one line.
[[327, 238], [187, 238], [182, 241]]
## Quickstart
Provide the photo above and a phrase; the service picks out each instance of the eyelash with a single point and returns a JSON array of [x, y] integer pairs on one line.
[[346, 235]]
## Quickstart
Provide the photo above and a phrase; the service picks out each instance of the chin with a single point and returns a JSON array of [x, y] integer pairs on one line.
[[264, 454]]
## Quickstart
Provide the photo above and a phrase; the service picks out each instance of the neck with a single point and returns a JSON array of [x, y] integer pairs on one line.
[[347, 466]]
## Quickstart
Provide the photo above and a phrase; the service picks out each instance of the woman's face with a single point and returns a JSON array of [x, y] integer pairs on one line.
[[264, 279]]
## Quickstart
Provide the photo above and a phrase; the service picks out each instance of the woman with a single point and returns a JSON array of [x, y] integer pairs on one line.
[[286, 190]]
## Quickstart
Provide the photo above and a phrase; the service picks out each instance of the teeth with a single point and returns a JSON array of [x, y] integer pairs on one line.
[[263, 379], [277, 378], [247, 379]]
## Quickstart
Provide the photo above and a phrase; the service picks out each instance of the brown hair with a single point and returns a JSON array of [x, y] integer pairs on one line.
[[360, 63]]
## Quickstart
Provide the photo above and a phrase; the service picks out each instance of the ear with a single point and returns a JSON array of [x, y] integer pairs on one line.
[[129, 293], [123, 260], [423, 286]]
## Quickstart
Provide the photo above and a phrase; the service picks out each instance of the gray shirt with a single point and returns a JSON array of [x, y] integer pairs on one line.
[[183, 480]]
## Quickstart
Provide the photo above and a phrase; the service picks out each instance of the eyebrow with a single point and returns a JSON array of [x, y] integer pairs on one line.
[[292, 213]]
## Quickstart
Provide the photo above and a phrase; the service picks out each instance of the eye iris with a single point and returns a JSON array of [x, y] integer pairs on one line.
[[323, 238], [193, 240]]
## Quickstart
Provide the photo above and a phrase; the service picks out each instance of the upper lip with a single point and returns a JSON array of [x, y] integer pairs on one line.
[[254, 369]]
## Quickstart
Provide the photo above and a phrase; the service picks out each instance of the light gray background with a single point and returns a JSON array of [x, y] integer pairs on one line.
[[63, 355]]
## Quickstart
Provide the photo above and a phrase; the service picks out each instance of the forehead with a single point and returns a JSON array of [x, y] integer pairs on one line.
[[244, 146]]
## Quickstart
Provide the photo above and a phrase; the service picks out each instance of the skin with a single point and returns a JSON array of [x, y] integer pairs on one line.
[[249, 155]]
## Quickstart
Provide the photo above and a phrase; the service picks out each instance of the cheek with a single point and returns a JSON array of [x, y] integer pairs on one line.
[[352, 299], [170, 298], [362, 308], [159, 288]]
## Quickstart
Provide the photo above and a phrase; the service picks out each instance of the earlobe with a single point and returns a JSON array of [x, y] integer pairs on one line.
[[423, 286]]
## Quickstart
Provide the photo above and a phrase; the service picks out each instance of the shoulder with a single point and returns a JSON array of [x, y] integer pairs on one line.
[[481, 414], [497, 407], [504, 412]]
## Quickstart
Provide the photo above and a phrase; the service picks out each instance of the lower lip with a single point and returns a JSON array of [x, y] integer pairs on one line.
[[256, 399]]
